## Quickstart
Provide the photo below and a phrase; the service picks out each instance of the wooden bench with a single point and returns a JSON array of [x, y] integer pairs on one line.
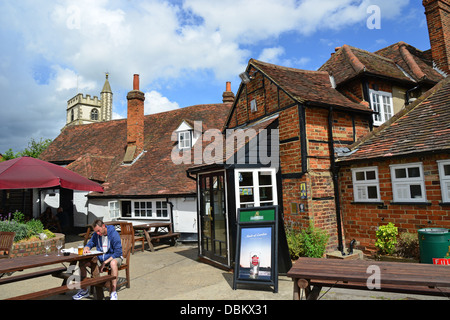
[[173, 236], [31, 275], [420, 290], [98, 282], [311, 274]]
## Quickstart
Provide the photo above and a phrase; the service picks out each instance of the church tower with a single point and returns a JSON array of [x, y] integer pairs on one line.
[[84, 109]]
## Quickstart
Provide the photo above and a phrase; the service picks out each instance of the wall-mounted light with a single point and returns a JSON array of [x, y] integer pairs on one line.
[[246, 77]]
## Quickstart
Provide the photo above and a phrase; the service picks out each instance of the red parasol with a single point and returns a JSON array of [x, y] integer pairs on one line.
[[29, 173]]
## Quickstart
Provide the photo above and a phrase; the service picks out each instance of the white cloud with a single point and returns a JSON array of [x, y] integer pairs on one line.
[[155, 103], [46, 44]]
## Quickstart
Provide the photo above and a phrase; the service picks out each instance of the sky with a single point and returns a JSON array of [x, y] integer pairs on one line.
[[183, 50]]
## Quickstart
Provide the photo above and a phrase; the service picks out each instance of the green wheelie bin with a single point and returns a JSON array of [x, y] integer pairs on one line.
[[433, 243]]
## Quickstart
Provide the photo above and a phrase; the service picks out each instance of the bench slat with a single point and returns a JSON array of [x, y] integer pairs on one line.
[[31, 275], [98, 281], [385, 287]]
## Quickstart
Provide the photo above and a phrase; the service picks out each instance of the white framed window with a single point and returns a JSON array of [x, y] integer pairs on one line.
[[408, 183], [381, 103], [149, 209], [114, 209], [255, 187], [184, 140], [366, 187], [161, 209], [444, 177]]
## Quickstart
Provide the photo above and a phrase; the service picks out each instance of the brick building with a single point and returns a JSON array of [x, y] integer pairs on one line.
[[317, 115], [400, 172]]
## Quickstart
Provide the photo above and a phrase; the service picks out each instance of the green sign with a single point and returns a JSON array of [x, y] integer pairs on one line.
[[257, 215]]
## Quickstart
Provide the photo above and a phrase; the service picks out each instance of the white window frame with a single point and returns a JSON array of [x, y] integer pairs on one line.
[[444, 179], [384, 106], [114, 209], [403, 185], [255, 187], [361, 187], [149, 209], [185, 139]]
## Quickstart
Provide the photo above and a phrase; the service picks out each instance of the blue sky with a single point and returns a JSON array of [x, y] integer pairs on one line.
[[184, 50]]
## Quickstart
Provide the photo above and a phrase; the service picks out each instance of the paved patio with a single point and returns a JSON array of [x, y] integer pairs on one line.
[[175, 273]]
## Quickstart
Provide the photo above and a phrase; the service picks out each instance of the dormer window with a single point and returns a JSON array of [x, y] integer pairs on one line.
[[185, 139], [188, 133]]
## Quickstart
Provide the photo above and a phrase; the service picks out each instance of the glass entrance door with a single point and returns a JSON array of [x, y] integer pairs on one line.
[[213, 237]]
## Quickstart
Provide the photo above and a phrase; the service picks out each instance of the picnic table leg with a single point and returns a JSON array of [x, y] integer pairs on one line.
[[95, 272], [149, 240], [303, 289]]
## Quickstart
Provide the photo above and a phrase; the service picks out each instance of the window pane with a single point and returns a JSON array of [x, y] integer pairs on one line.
[[370, 175], [447, 169], [360, 176], [246, 194], [372, 192], [400, 173], [265, 193], [414, 172], [246, 179], [416, 191], [265, 178]]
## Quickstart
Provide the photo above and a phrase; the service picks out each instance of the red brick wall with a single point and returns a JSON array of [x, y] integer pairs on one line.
[[360, 221], [319, 204]]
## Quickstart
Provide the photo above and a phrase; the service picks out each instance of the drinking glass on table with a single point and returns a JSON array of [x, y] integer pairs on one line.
[[47, 244], [59, 244]]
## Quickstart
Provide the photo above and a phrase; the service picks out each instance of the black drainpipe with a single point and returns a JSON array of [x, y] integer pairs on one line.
[[334, 173]]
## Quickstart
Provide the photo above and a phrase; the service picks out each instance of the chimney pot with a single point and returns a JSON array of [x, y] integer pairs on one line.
[[228, 89], [136, 82]]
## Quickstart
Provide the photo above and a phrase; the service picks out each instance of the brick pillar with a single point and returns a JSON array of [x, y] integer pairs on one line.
[[135, 121], [438, 20]]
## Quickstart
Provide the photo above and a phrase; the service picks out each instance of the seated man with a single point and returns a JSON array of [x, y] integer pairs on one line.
[[107, 240]]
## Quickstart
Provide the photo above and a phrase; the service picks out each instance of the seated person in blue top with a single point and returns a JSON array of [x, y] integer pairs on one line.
[[107, 240]]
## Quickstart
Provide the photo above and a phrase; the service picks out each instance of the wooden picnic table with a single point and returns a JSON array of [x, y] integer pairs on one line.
[[161, 230], [35, 261], [311, 274]]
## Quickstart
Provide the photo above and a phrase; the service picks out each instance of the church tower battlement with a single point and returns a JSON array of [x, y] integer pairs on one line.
[[84, 109]]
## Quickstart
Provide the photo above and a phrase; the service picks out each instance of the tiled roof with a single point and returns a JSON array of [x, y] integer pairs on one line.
[[313, 87], [399, 62], [423, 126], [97, 151]]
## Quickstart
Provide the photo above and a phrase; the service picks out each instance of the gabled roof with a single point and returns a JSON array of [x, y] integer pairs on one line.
[[309, 87], [399, 62], [421, 127], [97, 151]]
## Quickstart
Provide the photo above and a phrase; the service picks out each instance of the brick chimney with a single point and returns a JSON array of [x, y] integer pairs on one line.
[[228, 95], [135, 122], [438, 20]]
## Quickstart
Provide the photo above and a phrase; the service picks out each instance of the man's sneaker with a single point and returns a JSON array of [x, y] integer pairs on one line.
[[113, 296], [81, 294]]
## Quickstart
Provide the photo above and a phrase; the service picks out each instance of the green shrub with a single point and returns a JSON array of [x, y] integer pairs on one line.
[[308, 242], [34, 227], [386, 238], [20, 229]]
